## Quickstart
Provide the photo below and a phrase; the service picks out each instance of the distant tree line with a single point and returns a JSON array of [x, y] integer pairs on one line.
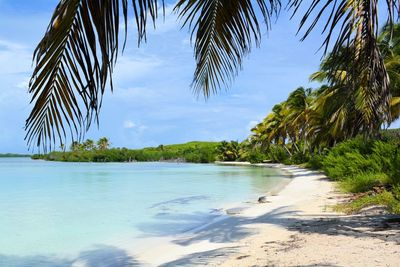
[[13, 155], [100, 151]]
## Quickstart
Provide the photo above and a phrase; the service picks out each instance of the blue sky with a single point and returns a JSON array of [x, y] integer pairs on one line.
[[153, 103]]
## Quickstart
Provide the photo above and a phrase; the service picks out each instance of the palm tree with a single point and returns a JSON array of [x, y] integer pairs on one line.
[[228, 151], [297, 116], [350, 108], [76, 146], [389, 44], [75, 59], [89, 144], [103, 143], [274, 129]]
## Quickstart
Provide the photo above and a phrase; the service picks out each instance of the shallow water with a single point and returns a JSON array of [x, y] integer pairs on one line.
[[52, 212]]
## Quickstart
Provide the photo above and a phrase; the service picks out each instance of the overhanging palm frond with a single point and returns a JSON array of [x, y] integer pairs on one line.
[[73, 65], [224, 32], [355, 23]]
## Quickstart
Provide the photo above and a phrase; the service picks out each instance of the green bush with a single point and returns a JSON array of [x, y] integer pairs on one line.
[[361, 165], [252, 156], [396, 192], [339, 166], [300, 157], [396, 167], [356, 144], [385, 198], [315, 162], [278, 154], [383, 154], [390, 135], [363, 182]]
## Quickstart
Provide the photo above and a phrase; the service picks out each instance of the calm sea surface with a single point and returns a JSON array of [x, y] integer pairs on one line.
[[53, 212]]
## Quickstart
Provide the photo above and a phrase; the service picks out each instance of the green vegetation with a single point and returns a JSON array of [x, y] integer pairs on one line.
[[386, 199], [228, 151], [13, 155], [88, 151], [337, 128]]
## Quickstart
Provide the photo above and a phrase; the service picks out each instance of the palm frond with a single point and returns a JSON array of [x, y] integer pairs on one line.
[[224, 32], [352, 27], [73, 66]]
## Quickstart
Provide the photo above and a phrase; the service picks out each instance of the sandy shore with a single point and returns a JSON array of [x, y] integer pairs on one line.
[[295, 228]]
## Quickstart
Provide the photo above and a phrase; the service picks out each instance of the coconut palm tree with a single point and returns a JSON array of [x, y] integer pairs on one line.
[[297, 115], [228, 151], [75, 59], [103, 143], [389, 44], [76, 146], [273, 129], [350, 108], [89, 144]]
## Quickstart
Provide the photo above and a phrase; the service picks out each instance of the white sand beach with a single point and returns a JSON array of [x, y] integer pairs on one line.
[[294, 228]]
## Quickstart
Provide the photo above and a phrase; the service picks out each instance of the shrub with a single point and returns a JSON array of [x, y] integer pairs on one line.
[[383, 154], [385, 198], [315, 162], [363, 182], [356, 144], [299, 157], [338, 167], [396, 167], [252, 156], [278, 154], [390, 135]]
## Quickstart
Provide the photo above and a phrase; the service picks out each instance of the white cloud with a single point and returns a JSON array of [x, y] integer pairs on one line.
[[23, 84], [129, 124]]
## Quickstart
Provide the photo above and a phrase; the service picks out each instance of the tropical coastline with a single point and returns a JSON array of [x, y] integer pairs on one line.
[[124, 204], [308, 232], [296, 227], [292, 159]]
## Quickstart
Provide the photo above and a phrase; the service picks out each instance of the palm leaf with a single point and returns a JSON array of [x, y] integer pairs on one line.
[[352, 27], [224, 31], [73, 66]]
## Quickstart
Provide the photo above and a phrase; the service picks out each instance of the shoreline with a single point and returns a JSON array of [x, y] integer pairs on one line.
[[197, 242], [168, 251], [295, 227]]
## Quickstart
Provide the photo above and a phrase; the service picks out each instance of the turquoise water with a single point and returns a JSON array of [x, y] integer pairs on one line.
[[52, 211]]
